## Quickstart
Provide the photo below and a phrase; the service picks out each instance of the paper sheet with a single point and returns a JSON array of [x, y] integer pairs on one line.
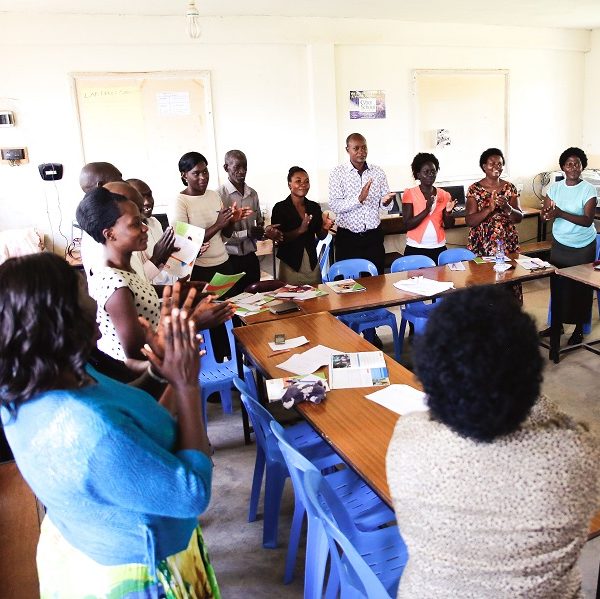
[[289, 343], [423, 286], [457, 266], [401, 399], [309, 361], [533, 263]]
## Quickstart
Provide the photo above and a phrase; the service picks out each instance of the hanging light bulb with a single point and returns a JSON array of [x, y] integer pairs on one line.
[[193, 20]]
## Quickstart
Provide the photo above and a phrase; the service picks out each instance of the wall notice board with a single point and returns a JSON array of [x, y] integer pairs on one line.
[[472, 106], [144, 122]]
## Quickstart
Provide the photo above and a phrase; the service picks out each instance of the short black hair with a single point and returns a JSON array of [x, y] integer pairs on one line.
[[355, 136], [188, 161], [479, 362], [578, 152], [293, 170], [99, 210], [43, 331], [420, 160], [490, 152]]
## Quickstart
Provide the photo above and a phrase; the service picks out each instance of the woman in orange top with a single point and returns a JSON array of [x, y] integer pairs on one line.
[[426, 210]]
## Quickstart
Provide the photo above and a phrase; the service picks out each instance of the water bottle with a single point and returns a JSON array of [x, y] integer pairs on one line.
[[500, 256]]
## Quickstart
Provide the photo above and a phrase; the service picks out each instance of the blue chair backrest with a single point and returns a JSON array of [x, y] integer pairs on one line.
[[209, 361], [323, 248], [598, 246], [411, 263], [455, 255], [355, 576], [351, 269], [261, 421]]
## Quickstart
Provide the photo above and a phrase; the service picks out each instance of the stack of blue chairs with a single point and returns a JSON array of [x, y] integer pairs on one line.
[[364, 504], [368, 319], [382, 547]]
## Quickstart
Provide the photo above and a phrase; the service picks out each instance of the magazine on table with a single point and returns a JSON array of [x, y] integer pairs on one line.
[[360, 369], [346, 286], [277, 387], [298, 292], [220, 284]]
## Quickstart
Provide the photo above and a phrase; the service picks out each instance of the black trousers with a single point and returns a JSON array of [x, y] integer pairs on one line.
[[248, 264], [432, 253], [367, 245]]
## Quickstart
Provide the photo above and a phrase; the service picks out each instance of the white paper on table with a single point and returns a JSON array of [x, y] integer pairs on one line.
[[457, 266], [533, 263], [502, 267], [401, 399], [423, 286], [309, 361], [289, 343]]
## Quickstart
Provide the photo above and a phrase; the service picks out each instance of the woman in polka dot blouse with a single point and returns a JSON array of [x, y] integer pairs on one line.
[[115, 221]]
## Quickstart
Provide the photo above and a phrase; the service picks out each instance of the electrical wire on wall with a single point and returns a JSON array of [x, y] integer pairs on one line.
[[49, 176]]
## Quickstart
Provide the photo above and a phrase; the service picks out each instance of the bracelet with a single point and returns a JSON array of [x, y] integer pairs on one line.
[[155, 376]]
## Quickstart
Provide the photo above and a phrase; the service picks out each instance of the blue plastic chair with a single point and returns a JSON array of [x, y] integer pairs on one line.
[[369, 319], [323, 248], [416, 313], [366, 564], [587, 326], [270, 460], [360, 505], [217, 377], [455, 255]]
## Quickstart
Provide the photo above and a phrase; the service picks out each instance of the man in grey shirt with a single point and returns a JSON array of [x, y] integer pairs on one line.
[[241, 246]]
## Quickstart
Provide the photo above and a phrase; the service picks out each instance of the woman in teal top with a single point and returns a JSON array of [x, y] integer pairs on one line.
[[123, 481], [572, 204]]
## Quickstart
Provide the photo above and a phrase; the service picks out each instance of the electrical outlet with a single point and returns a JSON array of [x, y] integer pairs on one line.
[[13, 153]]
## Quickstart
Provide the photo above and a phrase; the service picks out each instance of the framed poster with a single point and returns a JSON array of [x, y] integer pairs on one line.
[[367, 104]]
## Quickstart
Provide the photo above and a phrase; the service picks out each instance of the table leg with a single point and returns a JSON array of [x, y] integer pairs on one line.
[[245, 421], [555, 318]]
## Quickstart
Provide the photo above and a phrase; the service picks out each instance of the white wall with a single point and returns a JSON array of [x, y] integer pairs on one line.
[[280, 88], [591, 113]]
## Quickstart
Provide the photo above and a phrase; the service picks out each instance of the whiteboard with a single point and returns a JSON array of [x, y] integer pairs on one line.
[[143, 123], [472, 106]]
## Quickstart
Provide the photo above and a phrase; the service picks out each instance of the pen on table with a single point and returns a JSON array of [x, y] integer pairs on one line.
[[279, 351]]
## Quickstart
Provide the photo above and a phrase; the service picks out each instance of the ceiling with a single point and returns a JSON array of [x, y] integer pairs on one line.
[[572, 14]]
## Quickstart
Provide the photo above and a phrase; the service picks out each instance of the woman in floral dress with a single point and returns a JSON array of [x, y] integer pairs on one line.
[[493, 210]]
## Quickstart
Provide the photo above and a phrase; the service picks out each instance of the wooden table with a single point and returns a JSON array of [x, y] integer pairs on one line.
[[380, 291], [582, 273], [357, 428]]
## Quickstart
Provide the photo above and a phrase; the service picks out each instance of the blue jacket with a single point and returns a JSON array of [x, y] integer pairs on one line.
[[101, 460]]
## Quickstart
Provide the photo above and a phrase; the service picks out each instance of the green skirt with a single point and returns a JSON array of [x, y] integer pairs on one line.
[[67, 573]]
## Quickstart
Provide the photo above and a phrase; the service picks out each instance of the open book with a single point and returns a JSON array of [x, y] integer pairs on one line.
[[361, 369]]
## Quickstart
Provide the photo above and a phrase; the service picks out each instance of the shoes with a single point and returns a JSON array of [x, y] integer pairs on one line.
[[547, 332], [576, 338]]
